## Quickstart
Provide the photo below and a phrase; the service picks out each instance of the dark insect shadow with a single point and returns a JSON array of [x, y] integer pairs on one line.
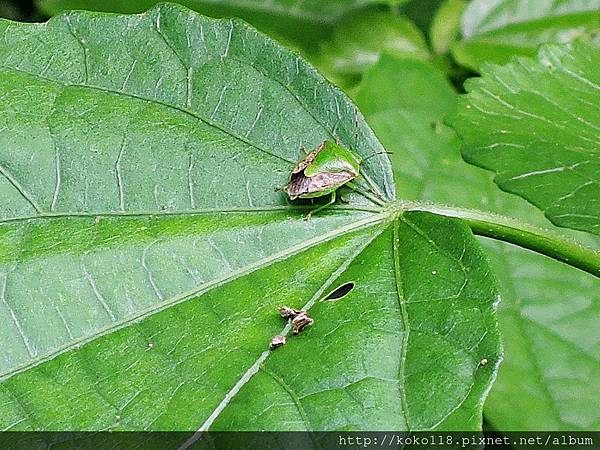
[[340, 292]]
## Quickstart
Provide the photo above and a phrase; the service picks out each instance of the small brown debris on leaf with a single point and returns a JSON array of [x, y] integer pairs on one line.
[[299, 318], [277, 341], [300, 322], [289, 313]]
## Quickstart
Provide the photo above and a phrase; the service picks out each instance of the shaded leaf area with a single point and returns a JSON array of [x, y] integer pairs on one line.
[[420, 12], [302, 22], [144, 248], [548, 310], [359, 40], [495, 30], [535, 124], [17, 10]]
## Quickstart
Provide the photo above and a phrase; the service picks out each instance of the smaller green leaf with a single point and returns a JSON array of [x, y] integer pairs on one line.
[[445, 25], [495, 30], [405, 101], [417, 87], [535, 123], [360, 39]]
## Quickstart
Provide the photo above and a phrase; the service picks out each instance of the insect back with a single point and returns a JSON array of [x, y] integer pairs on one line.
[[322, 171]]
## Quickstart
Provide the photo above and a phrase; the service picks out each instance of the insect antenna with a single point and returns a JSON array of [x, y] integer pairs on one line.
[[356, 136], [356, 126], [371, 185], [376, 197], [378, 153]]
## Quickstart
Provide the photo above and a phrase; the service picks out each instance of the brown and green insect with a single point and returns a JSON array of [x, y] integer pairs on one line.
[[322, 172]]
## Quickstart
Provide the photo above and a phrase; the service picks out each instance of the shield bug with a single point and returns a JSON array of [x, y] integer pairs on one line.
[[323, 171]]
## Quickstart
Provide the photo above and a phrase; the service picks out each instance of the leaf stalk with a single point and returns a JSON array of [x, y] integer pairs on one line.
[[524, 235]]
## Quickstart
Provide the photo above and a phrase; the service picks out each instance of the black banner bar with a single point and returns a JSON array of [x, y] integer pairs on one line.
[[392, 440]]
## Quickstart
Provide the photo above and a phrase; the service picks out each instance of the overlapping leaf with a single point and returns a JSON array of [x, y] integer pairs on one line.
[[144, 247], [360, 39], [445, 25], [536, 123], [496, 30]]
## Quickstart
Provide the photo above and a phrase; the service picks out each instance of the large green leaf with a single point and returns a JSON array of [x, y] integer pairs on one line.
[[495, 30], [144, 248], [303, 22], [550, 377], [536, 124]]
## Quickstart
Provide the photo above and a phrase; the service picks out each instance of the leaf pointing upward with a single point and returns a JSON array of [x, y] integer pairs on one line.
[[522, 121]]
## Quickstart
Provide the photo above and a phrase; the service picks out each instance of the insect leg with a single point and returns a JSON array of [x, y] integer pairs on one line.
[[372, 187], [329, 203], [366, 194]]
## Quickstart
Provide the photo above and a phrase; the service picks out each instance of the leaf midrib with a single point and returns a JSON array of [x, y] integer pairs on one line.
[[371, 220]]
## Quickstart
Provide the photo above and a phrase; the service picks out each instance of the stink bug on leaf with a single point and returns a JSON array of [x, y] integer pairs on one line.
[[325, 169], [322, 172]]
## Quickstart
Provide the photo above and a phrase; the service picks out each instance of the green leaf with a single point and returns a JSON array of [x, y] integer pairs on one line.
[[549, 313], [405, 102], [495, 30], [360, 39], [144, 248], [549, 378], [303, 23], [445, 25], [535, 124], [420, 12]]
